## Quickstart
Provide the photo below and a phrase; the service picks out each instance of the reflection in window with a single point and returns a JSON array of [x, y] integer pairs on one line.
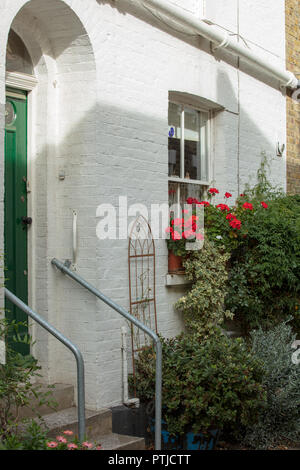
[[188, 130], [174, 139], [180, 192], [17, 56], [188, 153]]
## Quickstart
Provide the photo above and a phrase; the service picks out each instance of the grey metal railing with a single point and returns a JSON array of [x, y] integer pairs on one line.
[[138, 324], [78, 356]]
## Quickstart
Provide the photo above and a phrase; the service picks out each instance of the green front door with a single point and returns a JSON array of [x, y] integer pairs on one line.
[[15, 200]]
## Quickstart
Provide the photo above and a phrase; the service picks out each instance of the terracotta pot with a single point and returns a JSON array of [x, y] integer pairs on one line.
[[175, 263]]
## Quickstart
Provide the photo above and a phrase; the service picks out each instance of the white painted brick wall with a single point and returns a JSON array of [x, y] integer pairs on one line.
[[100, 115]]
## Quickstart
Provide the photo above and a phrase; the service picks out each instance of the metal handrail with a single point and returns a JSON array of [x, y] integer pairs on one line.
[[78, 356], [138, 324]]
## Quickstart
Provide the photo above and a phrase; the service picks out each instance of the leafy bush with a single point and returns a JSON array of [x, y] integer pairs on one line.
[[261, 233], [203, 305], [280, 417], [207, 384], [30, 436], [264, 278], [18, 387]]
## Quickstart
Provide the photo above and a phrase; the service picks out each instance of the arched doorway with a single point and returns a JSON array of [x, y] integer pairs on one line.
[[16, 219], [55, 51]]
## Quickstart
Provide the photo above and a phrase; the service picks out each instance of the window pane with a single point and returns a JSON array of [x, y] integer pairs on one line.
[[204, 146], [192, 144], [195, 145], [180, 192], [174, 139]]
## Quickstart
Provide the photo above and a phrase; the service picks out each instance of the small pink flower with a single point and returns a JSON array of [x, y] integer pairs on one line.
[[68, 433], [52, 444], [72, 446], [88, 445], [99, 448], [61, 439]]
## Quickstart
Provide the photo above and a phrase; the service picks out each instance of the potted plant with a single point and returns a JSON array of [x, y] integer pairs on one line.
[[208, 385], [181, 231]]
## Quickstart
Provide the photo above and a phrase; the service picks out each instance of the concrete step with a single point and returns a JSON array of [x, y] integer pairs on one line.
[[121, 442], [62, 395], [98, 429], [96, 422]]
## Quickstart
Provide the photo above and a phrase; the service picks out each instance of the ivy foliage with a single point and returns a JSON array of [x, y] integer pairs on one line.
[[203, 305]]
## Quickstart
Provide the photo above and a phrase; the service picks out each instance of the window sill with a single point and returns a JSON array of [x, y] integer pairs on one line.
[[173, 280], [175, 179]]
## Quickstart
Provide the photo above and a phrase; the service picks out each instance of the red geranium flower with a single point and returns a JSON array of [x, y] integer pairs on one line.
[[213, 191], [177, 222], [242, 195], [235, 223], [230, 216], [199, 236], [227, 195], [204, 203], [264, 205], [223, 207], [248, 205], [192, 200], [188, 234], [175, 235]]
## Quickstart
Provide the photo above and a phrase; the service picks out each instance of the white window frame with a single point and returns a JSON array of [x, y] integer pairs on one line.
[[175, 179]]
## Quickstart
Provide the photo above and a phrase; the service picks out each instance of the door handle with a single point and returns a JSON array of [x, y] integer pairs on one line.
[[26, 220]]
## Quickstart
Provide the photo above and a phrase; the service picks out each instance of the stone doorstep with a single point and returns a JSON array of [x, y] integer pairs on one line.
[[65, 416], [96, 422], [62, 395], [98, 429]]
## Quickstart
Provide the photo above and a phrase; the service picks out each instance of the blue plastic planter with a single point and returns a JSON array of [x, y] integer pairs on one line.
[[189, 441]]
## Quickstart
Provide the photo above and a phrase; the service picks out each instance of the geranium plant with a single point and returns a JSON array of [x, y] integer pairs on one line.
[[183, 230]]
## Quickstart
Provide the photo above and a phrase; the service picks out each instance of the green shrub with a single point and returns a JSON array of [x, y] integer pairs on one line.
[[280, 417], [261, 234], [17, 387], [203, 305], [212, 383], [31, 436]]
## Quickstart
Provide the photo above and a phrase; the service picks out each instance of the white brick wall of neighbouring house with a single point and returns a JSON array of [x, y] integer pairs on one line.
[[99, 115]]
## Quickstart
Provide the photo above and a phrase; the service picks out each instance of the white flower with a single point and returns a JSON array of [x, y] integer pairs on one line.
[[219, 237]]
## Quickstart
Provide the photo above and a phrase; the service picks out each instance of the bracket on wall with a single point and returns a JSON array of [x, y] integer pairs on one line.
[[280, 149]]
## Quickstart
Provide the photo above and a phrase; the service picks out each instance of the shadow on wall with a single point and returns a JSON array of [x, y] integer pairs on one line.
[[146, 14], [131, 160], [107, 150], [247, 132]]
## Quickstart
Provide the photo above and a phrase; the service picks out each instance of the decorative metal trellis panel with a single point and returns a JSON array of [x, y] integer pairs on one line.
[[141, 265]]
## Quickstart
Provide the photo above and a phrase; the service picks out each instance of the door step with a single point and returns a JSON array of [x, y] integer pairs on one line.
[[98, 429], [62, 395], [98, 424]]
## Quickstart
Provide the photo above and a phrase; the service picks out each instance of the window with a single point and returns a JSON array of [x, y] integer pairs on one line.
[[188, 152]]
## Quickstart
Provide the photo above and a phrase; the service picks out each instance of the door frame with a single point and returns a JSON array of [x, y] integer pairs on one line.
[[25, 82]]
